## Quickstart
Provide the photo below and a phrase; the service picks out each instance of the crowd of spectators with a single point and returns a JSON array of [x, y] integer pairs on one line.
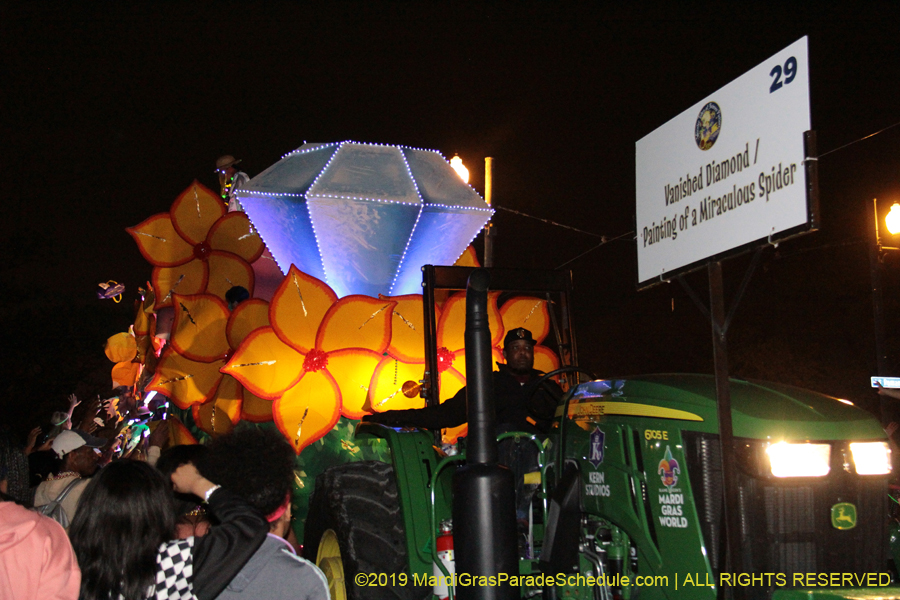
[[97, 507]]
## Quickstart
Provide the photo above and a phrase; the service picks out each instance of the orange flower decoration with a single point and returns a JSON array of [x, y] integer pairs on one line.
[[316, 359], [122, 349], [203, 337], [198, 247], [395, 382], [451, 341], [145, 329]]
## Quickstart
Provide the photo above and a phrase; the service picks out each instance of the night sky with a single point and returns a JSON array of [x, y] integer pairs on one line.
[[109, 110]]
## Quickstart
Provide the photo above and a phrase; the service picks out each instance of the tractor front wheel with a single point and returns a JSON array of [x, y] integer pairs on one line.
[[355, 527]]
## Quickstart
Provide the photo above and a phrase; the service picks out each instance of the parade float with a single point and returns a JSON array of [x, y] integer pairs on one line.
[[329, 249]]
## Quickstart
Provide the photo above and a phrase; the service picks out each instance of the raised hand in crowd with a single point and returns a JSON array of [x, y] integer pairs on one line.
[[32, 440], [187, 480], [73, 402], [159, 437], [88, 424]]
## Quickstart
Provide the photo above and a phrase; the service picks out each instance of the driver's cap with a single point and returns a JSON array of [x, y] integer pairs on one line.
[[519, 333]]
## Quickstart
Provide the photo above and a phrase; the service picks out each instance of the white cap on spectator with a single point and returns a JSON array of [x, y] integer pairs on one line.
[[73, 439]]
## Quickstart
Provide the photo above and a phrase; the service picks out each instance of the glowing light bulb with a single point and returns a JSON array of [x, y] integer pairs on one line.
[[457, 164], [892, 220]]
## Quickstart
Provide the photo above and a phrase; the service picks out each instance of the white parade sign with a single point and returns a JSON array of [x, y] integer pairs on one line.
[[726, 172]]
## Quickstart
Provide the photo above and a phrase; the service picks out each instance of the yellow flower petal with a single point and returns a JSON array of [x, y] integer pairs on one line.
[[125, 373], [246, 317], [189, 278], [459, 363], [527, 312], [309, 410], [144, 345], [451, 328], [497, 358], [185, 381], [160, 244], [178, 433], [298, 308], [356, 322], [144, 319], [211, 419], [222, 413], [545, 359], [495, 322], [265, 365], [227, 270], [256, 409], [195, 211], [395, 385], [352, 370], [451, 382], [198, 332], [233, 233], [121, 347], [407, 328], [468, 258]]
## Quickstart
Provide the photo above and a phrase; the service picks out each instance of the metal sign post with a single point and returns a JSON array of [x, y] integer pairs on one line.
[[723, 406]]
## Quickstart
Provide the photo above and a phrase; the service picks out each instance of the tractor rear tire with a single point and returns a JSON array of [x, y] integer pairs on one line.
[[357, 505]]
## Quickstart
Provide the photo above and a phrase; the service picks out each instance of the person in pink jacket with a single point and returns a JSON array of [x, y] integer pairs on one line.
[[36, 557]]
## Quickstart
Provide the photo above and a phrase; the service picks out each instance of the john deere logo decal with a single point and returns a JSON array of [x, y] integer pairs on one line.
[[597, 438], [668, 469], [843, 516], [708, 125]]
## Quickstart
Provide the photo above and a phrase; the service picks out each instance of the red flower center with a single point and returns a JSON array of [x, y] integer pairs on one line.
[[445, 359], [202, 251], [316, 360]]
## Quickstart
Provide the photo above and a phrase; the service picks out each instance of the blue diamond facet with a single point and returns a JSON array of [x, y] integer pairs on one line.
[[364, 217]]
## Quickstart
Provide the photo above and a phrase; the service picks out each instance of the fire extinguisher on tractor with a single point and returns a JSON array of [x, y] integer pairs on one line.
[[444, 545]]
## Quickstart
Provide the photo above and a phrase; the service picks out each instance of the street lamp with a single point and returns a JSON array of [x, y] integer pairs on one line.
[[457, 164], [877, 252], [892, 220]]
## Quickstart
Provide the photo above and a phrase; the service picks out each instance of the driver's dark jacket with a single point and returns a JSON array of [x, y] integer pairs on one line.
[[518, 407]]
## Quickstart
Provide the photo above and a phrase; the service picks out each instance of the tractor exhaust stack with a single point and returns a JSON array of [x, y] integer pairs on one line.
[[484, 518]]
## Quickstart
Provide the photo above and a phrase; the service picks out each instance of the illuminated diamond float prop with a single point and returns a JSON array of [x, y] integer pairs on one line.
[[364, 217]]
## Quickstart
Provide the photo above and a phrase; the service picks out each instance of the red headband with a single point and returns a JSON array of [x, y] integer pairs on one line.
[[280, 510]]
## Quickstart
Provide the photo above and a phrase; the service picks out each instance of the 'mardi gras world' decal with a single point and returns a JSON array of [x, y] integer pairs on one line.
[[671, 499]]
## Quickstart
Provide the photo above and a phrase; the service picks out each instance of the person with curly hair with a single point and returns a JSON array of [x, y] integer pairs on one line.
[[258, 465], [123, 533]]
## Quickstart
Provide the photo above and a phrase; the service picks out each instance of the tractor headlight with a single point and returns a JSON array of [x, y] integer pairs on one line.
[[871, 458], [799, 460]]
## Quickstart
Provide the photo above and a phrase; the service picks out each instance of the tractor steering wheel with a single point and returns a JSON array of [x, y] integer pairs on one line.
[[542, 380]]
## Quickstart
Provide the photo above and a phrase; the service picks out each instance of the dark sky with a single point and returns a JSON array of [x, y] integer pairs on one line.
[[109, 110]]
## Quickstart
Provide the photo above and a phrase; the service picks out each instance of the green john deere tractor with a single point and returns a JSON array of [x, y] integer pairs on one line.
[[629, 502]]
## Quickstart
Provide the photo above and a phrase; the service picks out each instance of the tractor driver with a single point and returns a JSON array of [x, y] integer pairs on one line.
[[519, 406]]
